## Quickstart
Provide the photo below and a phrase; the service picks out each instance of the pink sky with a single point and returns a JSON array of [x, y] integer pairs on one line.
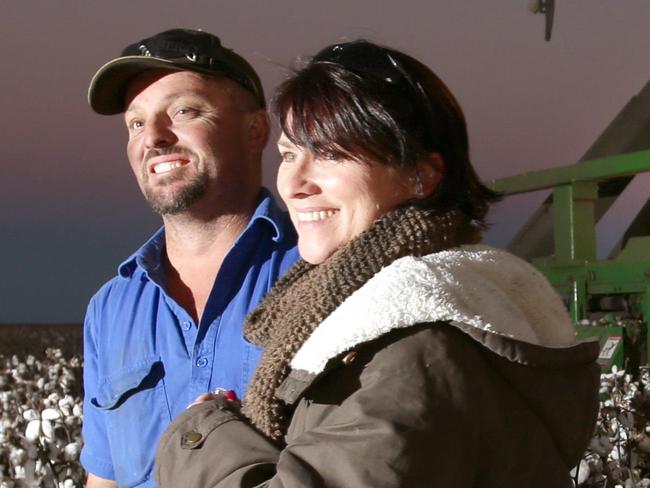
[[70, 210]]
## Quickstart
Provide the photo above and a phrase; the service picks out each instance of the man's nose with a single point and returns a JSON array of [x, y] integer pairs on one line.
[[158, 132]]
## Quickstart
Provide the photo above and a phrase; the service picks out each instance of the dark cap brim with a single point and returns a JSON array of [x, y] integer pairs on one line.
[[107, 91]]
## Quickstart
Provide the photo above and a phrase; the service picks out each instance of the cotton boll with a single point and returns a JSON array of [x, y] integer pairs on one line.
[[17, 457], [40, 414], [70, 421], [50, 414], [19, 472], [584, 472], [31, 414], [48, 429], [71, 451], [66, 404], [617, 455], [54, 371], [33, 430]]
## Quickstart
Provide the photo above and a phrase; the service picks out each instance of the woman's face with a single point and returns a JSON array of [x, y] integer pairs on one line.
[[331, 201]]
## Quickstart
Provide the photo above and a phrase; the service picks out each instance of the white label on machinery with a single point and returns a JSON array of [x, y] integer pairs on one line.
[[609, 348]]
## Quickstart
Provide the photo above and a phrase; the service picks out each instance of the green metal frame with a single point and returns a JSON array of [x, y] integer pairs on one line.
[[573, 269]]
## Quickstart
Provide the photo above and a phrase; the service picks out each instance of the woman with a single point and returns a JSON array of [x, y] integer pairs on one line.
[[398, 353]]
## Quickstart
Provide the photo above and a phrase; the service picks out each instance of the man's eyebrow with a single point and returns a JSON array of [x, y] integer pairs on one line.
[[132, 108], [178, 94]]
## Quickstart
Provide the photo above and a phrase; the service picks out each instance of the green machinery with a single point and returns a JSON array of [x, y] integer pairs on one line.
[[610, 298]]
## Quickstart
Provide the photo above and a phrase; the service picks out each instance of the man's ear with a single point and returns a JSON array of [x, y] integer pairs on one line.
[[258, 129], [429, 172]]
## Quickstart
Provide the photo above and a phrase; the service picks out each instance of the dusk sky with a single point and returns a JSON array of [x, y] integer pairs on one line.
[[70, 209]]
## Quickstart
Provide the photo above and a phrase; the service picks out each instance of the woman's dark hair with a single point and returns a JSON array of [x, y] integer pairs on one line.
[[359, 100]]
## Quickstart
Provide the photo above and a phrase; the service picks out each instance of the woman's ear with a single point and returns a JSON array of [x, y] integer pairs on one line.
[[428, 174]]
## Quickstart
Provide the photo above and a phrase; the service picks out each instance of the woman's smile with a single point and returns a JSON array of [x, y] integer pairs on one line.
[[315, 215]]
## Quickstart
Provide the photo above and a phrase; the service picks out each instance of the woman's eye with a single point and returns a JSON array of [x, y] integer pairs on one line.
[[330, 156], [288, 157]]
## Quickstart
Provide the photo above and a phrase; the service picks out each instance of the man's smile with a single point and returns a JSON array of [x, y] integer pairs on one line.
[[166, 163]]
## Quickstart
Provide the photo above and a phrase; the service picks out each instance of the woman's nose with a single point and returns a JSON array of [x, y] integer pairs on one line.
[[298, 179]]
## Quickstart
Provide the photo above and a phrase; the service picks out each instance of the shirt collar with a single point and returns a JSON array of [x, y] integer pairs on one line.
[[269, 211], [149, 256]]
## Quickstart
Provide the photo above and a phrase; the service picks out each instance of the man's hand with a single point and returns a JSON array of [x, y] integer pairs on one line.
[[97, 482]]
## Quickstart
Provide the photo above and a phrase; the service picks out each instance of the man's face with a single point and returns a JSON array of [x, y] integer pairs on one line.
[[190, 140]]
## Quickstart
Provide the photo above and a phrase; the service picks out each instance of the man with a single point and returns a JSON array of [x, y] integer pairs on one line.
[[167, 328]]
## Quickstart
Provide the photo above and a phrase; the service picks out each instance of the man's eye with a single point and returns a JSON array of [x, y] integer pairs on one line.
[[185, 112], [135, 124]]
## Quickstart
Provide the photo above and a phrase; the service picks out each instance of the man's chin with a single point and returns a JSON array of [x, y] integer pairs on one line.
[[170, 207], [175, 203]]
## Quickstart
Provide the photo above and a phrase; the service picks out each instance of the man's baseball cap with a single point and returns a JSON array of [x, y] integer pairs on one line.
[[174, 50]]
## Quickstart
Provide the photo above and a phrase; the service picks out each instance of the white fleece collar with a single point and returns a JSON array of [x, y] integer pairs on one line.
[[477, 285]]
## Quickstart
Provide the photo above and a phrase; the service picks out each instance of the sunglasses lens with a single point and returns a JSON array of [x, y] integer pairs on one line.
[[375, 62], [363, 59]]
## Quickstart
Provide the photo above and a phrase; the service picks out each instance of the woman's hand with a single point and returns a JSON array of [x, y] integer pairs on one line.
[[219, 394]]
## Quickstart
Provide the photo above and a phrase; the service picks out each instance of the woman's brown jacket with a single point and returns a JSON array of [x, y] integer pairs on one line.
[[454, 369]]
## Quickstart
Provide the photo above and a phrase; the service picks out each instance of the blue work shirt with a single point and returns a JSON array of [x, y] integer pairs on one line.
[[145, 359]]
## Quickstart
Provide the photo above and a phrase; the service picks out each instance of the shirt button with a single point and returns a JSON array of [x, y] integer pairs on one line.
[[187, 325], [202, 362]]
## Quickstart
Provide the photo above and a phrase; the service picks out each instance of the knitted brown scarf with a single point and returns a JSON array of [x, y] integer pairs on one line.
[[307, 294]]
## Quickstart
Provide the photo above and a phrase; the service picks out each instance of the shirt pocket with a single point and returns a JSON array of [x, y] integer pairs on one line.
[[137, 413]]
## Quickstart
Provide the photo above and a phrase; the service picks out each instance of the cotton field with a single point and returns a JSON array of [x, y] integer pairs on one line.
[[40, 421], [40, 426]]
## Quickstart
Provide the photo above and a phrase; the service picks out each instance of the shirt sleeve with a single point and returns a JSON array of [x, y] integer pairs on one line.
[[95, 454]]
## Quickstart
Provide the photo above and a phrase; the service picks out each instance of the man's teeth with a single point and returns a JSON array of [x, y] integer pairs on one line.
[[314, 216], [164, 167]]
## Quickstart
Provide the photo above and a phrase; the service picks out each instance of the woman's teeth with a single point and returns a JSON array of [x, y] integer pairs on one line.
[[315, 216]]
